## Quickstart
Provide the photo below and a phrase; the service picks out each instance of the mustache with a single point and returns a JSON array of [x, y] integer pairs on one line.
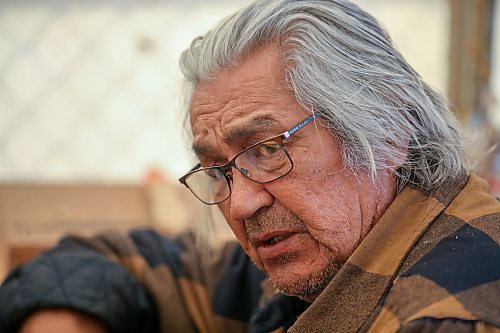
[[268, 219]]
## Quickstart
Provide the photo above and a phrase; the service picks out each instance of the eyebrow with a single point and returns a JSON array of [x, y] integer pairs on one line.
[[256, 125], [202, 149], [242, 132]]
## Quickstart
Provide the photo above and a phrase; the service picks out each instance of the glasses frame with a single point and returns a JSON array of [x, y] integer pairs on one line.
[[232, 164]]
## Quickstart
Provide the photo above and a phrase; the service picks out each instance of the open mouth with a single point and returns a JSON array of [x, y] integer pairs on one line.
[[274, 240], [270, 238], [272, 245]]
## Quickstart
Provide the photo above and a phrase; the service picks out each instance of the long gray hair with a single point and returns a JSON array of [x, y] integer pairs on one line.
[[340, 63]]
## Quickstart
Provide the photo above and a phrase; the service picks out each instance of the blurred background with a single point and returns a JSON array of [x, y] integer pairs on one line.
[[91, 133]]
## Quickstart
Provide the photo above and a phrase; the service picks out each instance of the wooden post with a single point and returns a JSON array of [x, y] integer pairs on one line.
[[470, 49]]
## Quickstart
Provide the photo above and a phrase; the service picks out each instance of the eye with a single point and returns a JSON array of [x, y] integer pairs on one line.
[[268, 149], [215, 174]]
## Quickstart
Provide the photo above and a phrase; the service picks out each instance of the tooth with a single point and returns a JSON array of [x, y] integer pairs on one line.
[[275, 239]]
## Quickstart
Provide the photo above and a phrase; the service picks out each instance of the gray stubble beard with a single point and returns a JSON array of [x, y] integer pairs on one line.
[[306, 288], [310, 287]]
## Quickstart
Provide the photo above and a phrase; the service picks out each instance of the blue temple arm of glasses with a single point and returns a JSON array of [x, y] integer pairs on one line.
[[303, 123]]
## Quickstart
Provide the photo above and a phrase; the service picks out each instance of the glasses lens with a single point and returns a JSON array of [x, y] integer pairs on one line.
[[264, 162], [209, 185]]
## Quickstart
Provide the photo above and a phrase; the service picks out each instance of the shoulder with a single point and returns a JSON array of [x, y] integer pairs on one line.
[[452, 275]]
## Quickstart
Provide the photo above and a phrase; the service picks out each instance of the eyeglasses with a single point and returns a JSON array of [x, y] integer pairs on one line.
[[263, 162]]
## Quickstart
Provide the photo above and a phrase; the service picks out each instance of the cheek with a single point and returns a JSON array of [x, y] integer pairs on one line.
[[329, 206]]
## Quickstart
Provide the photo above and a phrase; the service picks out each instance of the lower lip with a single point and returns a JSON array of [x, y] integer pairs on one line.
[[271, 251]]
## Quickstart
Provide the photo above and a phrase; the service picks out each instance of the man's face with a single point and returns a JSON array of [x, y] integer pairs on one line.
[[300, 228]]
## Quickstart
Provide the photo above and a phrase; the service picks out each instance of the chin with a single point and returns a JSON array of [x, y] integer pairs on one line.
[[302, 282]]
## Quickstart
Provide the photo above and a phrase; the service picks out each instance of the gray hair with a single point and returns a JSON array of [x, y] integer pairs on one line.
[[340, 63]]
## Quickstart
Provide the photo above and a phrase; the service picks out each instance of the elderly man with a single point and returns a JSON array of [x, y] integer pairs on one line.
[[340, 172]]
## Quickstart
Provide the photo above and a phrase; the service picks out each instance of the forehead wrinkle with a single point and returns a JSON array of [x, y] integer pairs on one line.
[[247, 93], [219, 103]]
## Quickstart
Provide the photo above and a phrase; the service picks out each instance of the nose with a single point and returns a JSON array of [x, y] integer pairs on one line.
[[247, 197]]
